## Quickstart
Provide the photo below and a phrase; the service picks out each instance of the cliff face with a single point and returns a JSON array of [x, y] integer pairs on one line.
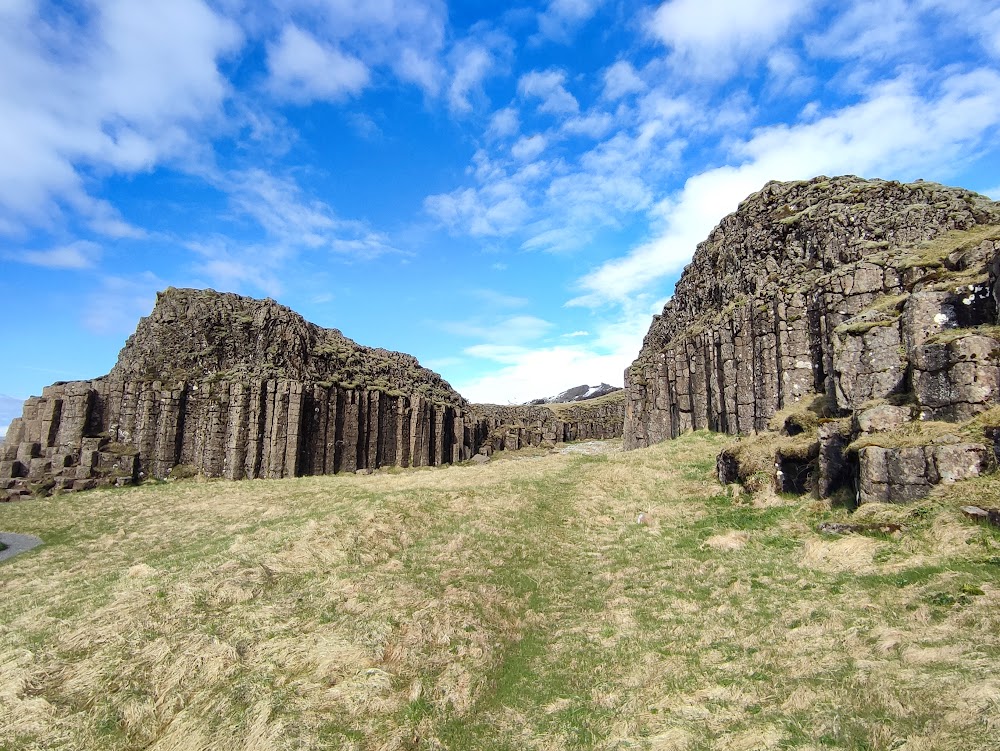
[[835, 295], [197, 334], [228, 386]]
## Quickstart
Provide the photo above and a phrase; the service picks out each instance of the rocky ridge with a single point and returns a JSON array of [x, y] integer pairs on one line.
[[228, 386], [852, 323]]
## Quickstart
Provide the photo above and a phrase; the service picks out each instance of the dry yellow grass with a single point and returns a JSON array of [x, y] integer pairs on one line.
[[515, 605]]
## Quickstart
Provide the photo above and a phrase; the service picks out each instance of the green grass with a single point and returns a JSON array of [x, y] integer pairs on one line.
[[508, 606]]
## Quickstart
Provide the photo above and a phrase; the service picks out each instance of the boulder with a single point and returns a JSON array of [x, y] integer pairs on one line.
[[902, 474]]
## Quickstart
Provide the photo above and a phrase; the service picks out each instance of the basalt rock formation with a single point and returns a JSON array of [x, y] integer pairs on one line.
[[228, 386], [857, 320]]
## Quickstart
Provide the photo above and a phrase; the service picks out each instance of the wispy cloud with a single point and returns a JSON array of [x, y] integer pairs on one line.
[[406, 37], [501, 332], [504, 123], [561, 18], [118, 86], [548, 86], [621, 79], [303, 69], [78, 255], [484, 53], [529, 148], [495, 299]]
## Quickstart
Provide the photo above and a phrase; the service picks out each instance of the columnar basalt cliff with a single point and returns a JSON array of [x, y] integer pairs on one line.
[[835, 297], [227, 386]]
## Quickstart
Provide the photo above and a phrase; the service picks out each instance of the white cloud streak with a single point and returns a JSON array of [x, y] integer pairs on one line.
[[121, 86], [78, 255], [896, 129]]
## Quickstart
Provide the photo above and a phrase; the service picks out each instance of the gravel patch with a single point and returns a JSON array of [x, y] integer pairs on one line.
[[592, 447], [17, 544]]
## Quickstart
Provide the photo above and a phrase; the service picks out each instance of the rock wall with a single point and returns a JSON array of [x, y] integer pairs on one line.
[[834, 292], [187, 397], [512, 427]]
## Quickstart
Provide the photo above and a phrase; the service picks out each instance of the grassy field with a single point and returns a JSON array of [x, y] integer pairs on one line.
[[516, 605]]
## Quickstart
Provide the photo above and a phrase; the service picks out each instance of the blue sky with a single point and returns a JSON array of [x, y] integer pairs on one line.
[[507, 191]]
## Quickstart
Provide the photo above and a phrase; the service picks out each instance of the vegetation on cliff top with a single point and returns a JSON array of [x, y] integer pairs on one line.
[[515, 605]]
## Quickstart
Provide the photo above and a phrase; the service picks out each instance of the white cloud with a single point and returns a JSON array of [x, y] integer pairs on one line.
[[528, 148], [226, 265], [504, 123], [895, 133], [406, 36], [483, 53], [421, 69], [593, 125], [365, 126], [562, 17], [78, 255], [516, 372], [303, 70], [293, 224], [503, 332], [363, 243], [548, 86], [786, 74], [471, 65], [519, 374], [993, 193], [497, 208], [713, 38], [621, 79], [555, 204], [120, 86]]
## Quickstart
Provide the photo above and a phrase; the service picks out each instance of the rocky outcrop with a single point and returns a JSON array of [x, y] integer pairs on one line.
[[227, 386], [833, 295]]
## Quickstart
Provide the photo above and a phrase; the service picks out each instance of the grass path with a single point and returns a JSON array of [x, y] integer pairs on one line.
[[516, 605]]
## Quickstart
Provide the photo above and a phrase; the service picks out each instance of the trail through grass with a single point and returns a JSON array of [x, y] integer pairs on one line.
[[516, 605]]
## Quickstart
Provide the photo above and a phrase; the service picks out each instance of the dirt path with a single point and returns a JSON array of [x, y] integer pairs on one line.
[[592, 447]]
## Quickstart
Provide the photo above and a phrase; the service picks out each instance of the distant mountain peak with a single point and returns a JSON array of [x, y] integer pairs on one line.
[[577, 394]]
